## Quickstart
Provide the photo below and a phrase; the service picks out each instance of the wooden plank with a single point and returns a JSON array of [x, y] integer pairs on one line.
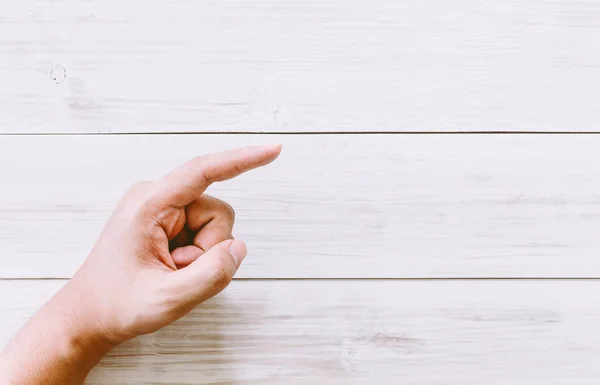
[[395, 206], [270, 65], [363, 332]]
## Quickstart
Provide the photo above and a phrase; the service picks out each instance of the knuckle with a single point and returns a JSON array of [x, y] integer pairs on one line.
[[223, 272], [133, 204], [145, 209], [139, 190], [238, 168], [205, 177], [148, 211], [227, 209], [200, 164]]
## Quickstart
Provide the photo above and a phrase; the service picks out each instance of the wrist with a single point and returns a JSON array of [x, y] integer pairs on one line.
[[61, 341], [83, 334]]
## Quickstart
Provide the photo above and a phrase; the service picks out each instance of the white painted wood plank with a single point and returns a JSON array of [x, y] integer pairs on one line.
[[331, 206], [270, 65], [363, 332]]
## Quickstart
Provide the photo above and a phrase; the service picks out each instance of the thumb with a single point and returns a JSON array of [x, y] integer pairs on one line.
[[211, 272]]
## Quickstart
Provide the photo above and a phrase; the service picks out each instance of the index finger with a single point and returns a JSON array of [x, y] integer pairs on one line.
[[187, 182]]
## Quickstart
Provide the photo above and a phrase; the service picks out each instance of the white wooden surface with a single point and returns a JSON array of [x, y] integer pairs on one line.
[[352, 206], [362, 332], [315, 65], [367, 205]]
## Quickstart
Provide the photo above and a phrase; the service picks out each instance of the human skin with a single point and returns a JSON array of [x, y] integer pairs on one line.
[[166, 248]]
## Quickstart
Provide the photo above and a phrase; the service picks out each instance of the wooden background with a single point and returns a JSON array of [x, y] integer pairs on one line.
[[433, 217]]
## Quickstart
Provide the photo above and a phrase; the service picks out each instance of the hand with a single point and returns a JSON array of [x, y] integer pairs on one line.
[[165, 249]]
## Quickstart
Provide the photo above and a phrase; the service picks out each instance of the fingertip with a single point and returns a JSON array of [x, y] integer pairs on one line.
[[186, 255], [238, 251], [273, 151], [263, 155]]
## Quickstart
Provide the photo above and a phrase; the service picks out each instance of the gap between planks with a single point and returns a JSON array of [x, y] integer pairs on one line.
[[238, 133]]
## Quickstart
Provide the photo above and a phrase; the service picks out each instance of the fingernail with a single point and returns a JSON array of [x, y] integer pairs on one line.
[[238, 251]]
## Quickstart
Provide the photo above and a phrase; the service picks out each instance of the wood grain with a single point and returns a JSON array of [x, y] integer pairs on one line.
[[270, 65], [333, 206], [414, 332]]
